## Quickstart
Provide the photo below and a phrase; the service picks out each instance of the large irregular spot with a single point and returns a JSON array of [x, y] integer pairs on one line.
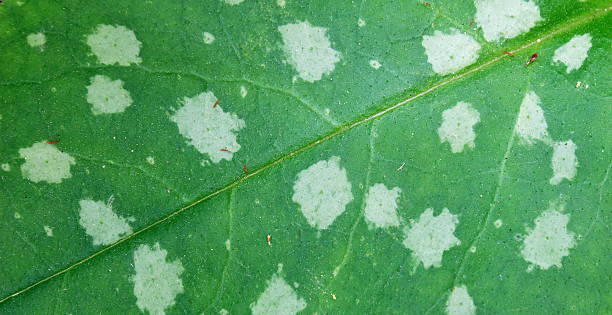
[[574, 53], [564, 162], [549, 241], [449, 53], [381, 206], [278, 298], [308, 50], [430, 236], [322, 191], [114, 45], [157, 282], [36, 39], [506, 18], [460, 302], [209, 129], [107, 96], [101, 223], [531, 124], [458, 126], [44, 162]]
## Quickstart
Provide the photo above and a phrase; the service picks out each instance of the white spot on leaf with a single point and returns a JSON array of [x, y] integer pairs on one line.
[[458, 126], [228, 244], [48, 230], [150, 160], [36, 39], [375, 64], [281, 3], [208, 38], [114, 45], [44, 162], [460, 302], [6, 167], [101, 223], [498, 223], [564, 162], [322, 191], [550, 241], [574, 52], [449, 53], [233, 2], [361, 22], [243, 91], [308, 50], [381, 206], [156, 282], [431, 236], [279, 298], [531, 124], [209, 129], [506, 18], [107, 96]]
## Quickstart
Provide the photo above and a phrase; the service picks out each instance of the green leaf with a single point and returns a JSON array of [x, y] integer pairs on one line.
[[325, 157]]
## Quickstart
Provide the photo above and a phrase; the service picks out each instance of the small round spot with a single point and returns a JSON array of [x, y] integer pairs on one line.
[[208, 38], [48, 230], [375, 64], [498, 223]]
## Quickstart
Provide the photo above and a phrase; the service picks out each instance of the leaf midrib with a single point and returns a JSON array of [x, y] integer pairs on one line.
[[596, 13]]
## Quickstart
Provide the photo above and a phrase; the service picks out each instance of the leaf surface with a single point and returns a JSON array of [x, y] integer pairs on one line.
[[282, 157]]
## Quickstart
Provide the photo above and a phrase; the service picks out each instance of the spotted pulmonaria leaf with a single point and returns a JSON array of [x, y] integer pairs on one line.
[[304, 157]]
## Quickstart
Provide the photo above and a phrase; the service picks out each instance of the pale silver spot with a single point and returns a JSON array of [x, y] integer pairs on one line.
[[458, 126], [430, 236], [308, 50], [44, 162], [549, 241], [156, 281], [114, 45], [322, 191]]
